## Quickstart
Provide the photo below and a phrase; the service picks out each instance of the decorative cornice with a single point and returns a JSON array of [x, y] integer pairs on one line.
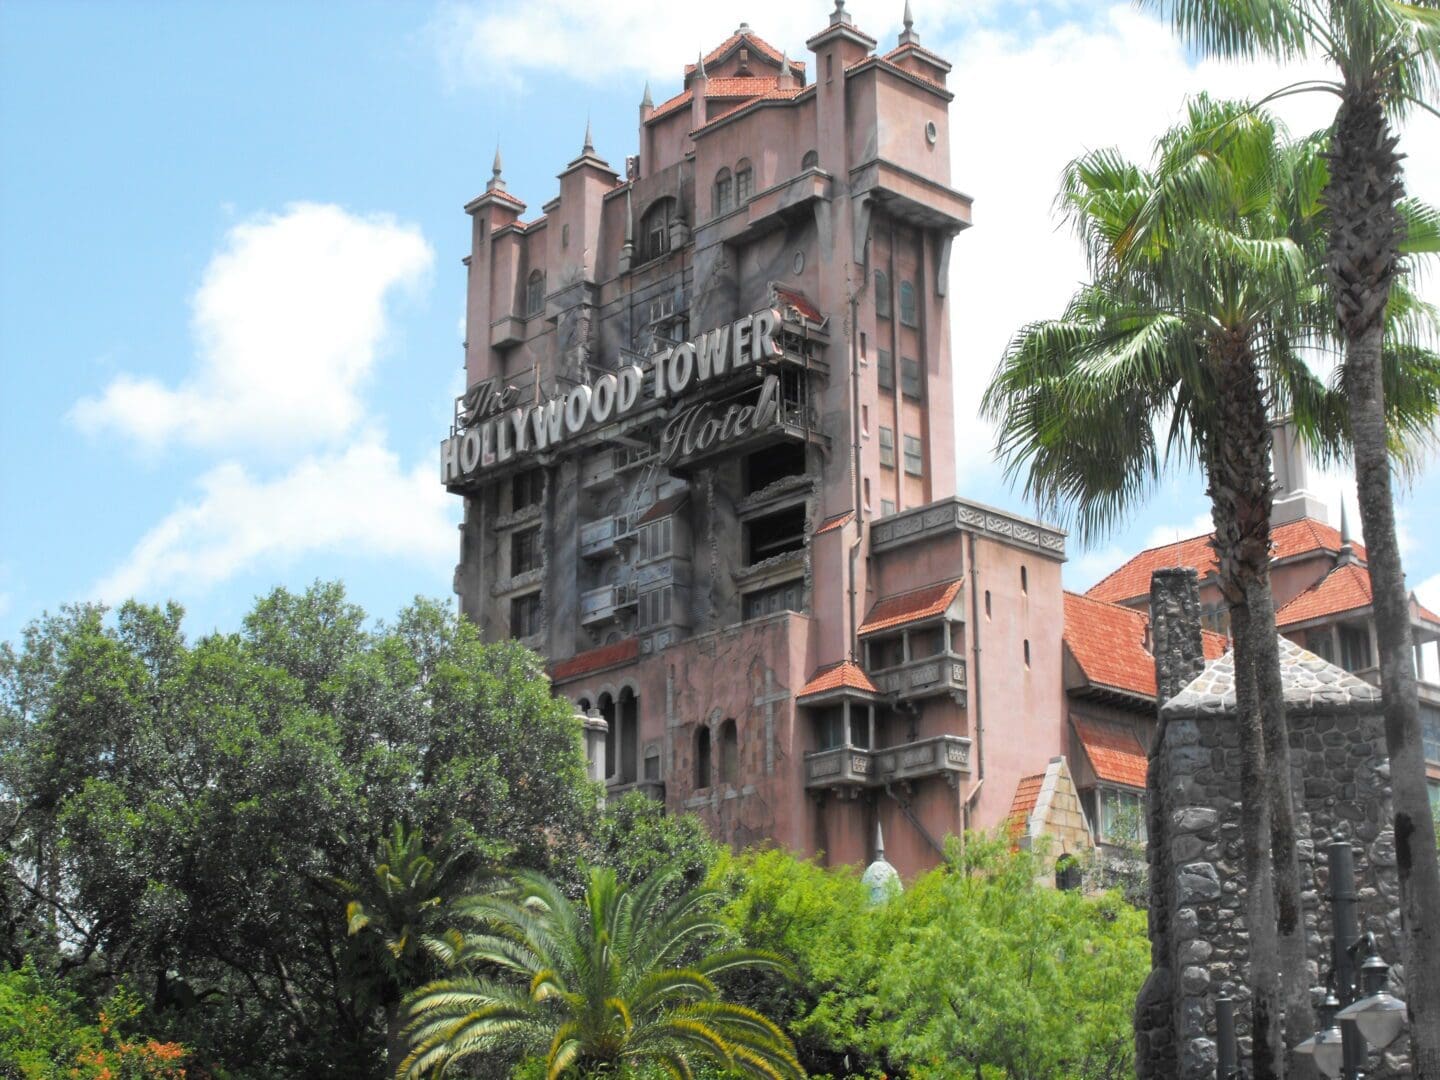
[[957, 514]]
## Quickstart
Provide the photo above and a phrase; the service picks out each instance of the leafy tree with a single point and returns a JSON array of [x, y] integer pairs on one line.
[[637, 838], [989, 971], [1206, 289], [1387, 55], [176, 813], [622, 983]]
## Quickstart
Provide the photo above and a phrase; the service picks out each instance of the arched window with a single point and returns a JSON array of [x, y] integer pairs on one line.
[[702, 757], [724, 192], [655, 228], [744, 181], [628, 717], [607, 713], [811, 160], [729, 752], [535, 293], [882, 294], [907, 303]]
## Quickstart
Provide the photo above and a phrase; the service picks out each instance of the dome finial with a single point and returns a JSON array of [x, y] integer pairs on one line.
[[880, 878], [908, 36], [589, 147], [496, 167]]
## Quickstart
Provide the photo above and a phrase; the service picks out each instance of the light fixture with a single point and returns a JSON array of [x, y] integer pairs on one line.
[[1379, 1015], [1327, 1046]]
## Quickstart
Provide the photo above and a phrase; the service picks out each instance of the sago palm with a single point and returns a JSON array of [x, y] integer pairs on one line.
[[1205, 286], [622, 981], [1387, 57]]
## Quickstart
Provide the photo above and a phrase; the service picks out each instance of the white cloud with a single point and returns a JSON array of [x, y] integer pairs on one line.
[[1199, 525], [1429, 592], [359, 501], [288, 322], [1085, 569]]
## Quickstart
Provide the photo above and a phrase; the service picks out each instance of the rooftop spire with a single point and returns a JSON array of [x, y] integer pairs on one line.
[[589, 147], [839, 15], [700, 66], [646, 101], [908, 36], [1347, 542], [879, 840], [496, 183]]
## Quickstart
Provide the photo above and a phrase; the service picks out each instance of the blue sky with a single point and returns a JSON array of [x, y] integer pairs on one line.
[[230, 243]]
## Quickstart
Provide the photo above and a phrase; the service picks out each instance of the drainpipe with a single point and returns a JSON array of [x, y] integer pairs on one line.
[[975, 676]]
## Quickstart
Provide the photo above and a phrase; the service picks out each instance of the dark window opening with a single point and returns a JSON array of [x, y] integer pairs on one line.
[[987, 603], [1067, 873], [535, 293], [887, 448], [729, 752], [526, 489], [914, 456], [774, 463], [628, 717], [830, 728], [1027, 652], [608, 714], [652, 765], [907, 304], [811, 159], [882, 295], [787, 597], [702, 757], [775, 534], [1024, 580], [886, 652], [926, 642], [525, 615], [910, 383], [655, 228], [744, 182], [885, 370], [724, 192], [1354, 648], [524, 551]]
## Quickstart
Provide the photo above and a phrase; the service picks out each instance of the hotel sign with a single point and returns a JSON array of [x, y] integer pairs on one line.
[[497, 430]]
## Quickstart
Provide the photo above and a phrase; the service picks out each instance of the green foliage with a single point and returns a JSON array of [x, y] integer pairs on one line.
[[42, 1036], [179, 812], [636, 839], [978, 965], [620, 985]]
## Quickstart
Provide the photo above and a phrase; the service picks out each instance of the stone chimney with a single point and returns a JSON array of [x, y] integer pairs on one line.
[[1175, 639]]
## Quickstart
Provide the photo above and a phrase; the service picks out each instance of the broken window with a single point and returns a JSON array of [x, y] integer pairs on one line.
[[774, 463], [524, 550], [775, 534], [525, 615]]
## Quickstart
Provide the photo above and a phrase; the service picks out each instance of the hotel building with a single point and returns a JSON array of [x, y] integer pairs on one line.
[[707, 456]]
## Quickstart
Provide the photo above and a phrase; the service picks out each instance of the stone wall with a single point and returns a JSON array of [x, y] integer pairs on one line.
[[1340, 784]]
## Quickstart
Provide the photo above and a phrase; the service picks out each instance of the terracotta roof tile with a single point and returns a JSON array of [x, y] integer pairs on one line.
[[800, 302], [1114, 751], [1027, 793], [842, 676], [1345, 588], [622, 652], [835, 522], [761, 46], [1293, 538], [773, 94], [922, 603], [1108, 642], [663, 507]]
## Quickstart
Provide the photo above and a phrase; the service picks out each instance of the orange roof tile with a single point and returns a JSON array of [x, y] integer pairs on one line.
[[922, 603], [800, 302], [667, 107], [1027, 793], [842, 676], [663, 507], [761, 46], [1293, 538], [773, 94], [1114, 751], [1109, 643], [835, 522], [622, 652]]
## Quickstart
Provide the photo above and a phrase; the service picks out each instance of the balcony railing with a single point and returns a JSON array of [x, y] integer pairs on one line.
[[855, 766], [599, 538], [943, 673], [605, 603]]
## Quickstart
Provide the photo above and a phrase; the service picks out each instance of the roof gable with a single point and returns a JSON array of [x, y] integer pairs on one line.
[[1311, 685]]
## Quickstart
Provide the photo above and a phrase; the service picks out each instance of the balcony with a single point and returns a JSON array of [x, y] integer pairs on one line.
[[602, 470], [939, 755], [840, 766], [857, 767], [606, 604], [601, 538], [925, 677]]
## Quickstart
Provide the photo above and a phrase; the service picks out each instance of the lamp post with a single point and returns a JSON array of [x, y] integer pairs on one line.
[[1357, 1009]]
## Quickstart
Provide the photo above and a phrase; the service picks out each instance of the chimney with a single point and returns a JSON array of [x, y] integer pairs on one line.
[[699, 85], [1176, 642]]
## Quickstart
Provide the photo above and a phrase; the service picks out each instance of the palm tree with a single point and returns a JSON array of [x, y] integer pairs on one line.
[[394, 920], [622, 981], [1387, 53], [1205, 286]]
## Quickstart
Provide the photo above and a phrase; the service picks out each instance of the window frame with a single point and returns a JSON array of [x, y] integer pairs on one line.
[[525, 542], [528, 611], [887, 447], [914, 452], [909, 308], [883, 307], [744, 182], [535, 294], [912, 381], [885, 370], [723, 192]]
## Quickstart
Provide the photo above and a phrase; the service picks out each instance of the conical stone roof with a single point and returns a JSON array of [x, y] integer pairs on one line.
[[1311, 685]]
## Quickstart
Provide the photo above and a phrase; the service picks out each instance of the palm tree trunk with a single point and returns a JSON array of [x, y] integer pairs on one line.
[[396, 1045], [1242, 494], [1362, 195]]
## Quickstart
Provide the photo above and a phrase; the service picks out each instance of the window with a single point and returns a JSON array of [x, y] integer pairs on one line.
[[887, 448], [524, 550], [885, 370], [910, 384], [1027, 652], [702, 757], [830, 728], [655, 539], [656, 607], [744, 182], [525, 615], [987, 603], [652, 765], [886, 652], [1122, 817], [907, 304], [1024, 580], [1354, 648], [787, 597], [729, 752], [1430, 732], [1318, 642], [811, 160], [914, 460], [526, 489], [535, 293], [775, 534], [882, 295], [655, 228], [887, 507], [724, 192], [776, 463]]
